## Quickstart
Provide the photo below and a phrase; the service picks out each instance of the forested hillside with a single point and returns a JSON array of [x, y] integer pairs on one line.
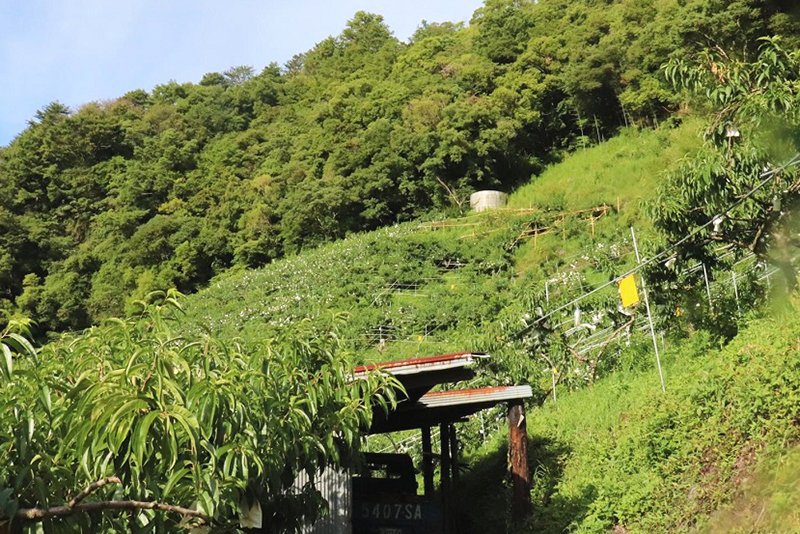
[[170, 187], [613, 452], [317, 215], [203, 410]]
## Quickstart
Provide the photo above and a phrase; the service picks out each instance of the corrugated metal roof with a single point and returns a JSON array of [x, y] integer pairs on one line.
[[415, 365], [459, 397], [445, 407]]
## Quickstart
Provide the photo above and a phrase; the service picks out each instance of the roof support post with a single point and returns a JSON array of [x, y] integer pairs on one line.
[[427, 461], [518, 462], [454, 455], [444, 470]]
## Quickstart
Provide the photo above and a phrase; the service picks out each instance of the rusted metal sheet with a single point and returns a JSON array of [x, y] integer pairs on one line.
[[458, 397], [445, 406], [415, 365], [336, 488], [419, 375]]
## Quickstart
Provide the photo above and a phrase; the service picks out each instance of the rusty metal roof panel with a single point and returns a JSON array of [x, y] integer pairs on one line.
[[416, 365], [458, 397], [446, 406]]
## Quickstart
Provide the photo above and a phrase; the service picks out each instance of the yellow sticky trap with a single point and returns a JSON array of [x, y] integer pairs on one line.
[[419, 338], [678, 311], [628, 291], [452, 286]]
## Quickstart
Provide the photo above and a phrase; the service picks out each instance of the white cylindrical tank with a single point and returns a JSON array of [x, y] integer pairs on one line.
[[486, 200]]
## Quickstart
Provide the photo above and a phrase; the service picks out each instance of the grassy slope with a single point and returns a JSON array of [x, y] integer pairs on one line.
[[622, 172], [618, 453], [626, 168], [356, 275], [624, 456]]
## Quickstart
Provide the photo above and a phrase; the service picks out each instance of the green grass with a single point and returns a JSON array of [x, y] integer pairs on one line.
[[769, 500], [623, 455], [624, 169], [622, 173]]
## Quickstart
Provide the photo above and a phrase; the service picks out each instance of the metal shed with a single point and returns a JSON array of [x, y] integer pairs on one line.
[[369, 511]]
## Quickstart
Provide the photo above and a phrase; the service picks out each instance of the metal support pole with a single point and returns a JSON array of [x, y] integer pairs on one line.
[[444, 475], [553, 373], [708, 288], [547, 292], [735, 290], [454, 456], [427, 461], [649, 315]]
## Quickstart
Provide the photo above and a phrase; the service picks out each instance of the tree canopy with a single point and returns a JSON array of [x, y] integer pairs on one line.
[[743, 187]]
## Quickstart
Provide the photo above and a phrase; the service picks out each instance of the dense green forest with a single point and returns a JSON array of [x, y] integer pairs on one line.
[[168, 188]]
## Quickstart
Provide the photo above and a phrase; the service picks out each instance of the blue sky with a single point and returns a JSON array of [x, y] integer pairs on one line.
[[79, 51]]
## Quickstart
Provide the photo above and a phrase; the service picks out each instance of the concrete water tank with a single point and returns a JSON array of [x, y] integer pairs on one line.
[[486, 200]]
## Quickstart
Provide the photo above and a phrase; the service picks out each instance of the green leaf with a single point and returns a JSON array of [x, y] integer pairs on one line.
[[173, 479], [25, 346], [139, 441], [8, 361], [46, 400], [41, 492]]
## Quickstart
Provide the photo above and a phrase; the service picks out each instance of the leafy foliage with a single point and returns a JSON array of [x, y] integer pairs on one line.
[[623, 455], [757, 101], [189, 421]]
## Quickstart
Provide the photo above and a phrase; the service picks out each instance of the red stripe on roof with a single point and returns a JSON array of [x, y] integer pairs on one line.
[[413, 361], [467, 392]]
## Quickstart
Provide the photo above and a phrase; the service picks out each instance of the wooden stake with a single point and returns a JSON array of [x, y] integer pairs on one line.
[[518, 462]]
